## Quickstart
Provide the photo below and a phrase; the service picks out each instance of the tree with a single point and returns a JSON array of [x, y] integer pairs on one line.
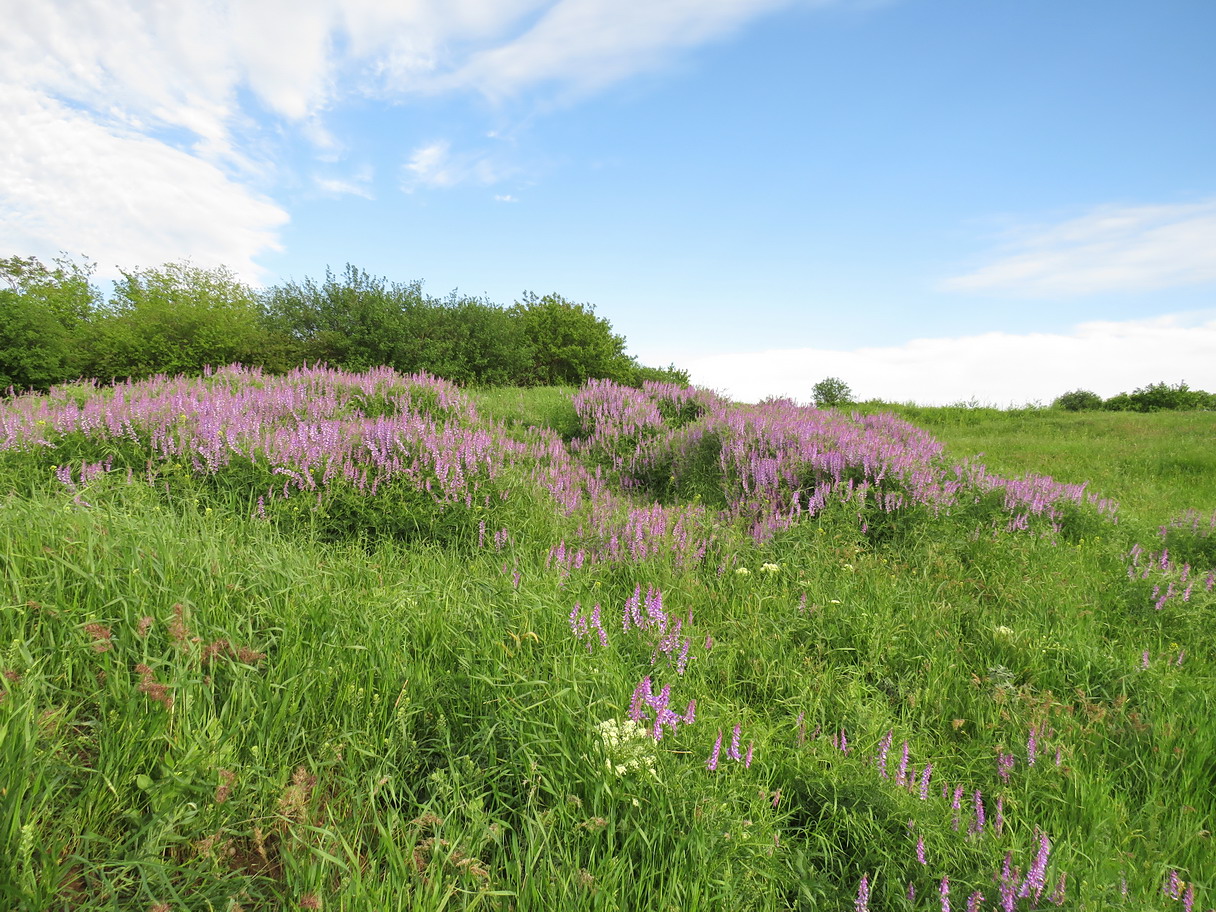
[[1079, 400], [354, 321], [569, 343], [44, 313], [176, 319], [831, 392]]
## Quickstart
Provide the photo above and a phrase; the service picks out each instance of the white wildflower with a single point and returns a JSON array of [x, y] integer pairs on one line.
[[769, 568], [628, 746]]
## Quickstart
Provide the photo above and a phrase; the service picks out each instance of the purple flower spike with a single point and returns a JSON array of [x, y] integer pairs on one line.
[[920, 849], [883, 748], [945, 892], [1057, 896], [712, 763], [924, 781], [747, 760], [732, 752], [863, 895], [974, 901]]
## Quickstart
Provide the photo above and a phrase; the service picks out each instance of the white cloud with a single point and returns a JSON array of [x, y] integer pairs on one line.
[[1112, 249], [356, 184], [586, 44], [505, 198], [434, 165], [69, 183], [155, 120], [994, 368]]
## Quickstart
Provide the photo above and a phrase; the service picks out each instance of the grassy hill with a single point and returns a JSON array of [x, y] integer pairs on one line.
[[370, 642]]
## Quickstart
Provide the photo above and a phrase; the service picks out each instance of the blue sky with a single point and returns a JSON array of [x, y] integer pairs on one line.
[[937, 200]]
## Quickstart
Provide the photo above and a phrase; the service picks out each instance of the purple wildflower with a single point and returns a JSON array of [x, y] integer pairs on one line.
[[979, 813], [712, 762], [863, 895], [732, 752], [924, 781], [1173, 887], [1032, 745], [1036, 877], [920, 849], [1009, 876], [747, 760], [883, 747], [945, 892], [974, 900], [1057, 895], [901, 778], [1004, 764]]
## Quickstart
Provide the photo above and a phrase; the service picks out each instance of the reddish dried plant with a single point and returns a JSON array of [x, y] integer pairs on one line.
[[179, 631], [150, 686], [101, 637], [224, 790]]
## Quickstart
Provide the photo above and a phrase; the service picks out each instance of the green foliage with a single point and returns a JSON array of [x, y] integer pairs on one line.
[[175, 319], [355, 321], [466, 341], [1079, 400], [569, 343], [204, 709], [1158, 397], [44, 314], [831, 392]]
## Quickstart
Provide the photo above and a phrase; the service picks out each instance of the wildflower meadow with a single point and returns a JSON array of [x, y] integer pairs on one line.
[[331, 640]]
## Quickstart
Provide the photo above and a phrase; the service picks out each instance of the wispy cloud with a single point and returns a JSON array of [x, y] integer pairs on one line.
[[356, 184], [435, 165], [993, 368], [582, 45], [210, 93], [505, 198], [1111, 249]]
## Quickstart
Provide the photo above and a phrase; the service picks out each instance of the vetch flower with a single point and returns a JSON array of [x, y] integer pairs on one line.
[[883, 747], [712, 762], [863, 895], [924, 781], [732, 752]]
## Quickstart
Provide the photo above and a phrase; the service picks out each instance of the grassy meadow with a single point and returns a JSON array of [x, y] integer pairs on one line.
[[366, 641]]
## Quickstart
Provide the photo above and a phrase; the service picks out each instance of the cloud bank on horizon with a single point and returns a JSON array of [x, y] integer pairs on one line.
[[995, 369]]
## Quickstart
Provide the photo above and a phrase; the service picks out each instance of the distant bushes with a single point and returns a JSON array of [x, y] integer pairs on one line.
[[1156, 397], [55, 326]]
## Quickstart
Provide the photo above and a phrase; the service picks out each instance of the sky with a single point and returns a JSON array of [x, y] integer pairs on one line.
[[936, 201]]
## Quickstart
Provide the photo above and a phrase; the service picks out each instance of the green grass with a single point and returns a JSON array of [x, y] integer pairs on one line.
[[384, 726]]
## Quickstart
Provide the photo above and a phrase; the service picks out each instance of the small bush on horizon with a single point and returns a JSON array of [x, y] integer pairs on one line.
[[1079, 400], [831, 392]]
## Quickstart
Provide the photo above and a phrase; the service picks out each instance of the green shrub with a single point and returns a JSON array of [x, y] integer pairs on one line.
[[175, 319], [831, 392], [1079, 400], [43, 315]]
